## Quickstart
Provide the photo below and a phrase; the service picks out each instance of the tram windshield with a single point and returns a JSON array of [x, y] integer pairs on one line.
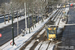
[[52, 30]]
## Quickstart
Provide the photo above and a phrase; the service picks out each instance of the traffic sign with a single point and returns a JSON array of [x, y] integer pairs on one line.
[[0, 35]]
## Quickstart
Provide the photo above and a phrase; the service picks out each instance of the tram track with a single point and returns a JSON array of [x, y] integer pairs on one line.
[[39, 40], [33, 37]]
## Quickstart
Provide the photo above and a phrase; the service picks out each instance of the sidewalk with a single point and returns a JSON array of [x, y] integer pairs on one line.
[[20, 40]]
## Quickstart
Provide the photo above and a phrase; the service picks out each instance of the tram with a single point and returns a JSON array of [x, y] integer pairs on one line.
[[51, 33]]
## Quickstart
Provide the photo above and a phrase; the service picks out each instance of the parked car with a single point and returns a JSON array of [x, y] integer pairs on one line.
[[7, 18]]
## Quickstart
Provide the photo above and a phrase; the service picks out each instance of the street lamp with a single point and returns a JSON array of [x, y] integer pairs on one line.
[[25, 19], [17, 25], [28, 17], [12, 25]]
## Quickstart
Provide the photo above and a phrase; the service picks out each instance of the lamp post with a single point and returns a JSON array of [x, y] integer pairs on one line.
[[17, 26], [12, 25], [25, 19], [32, 16], [28, 18]]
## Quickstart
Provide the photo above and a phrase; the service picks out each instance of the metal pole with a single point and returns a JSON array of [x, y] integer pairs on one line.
[[29, 23], [42, 11], [12, 26], [12, 31], [33, 17], [8, 18], [35, 21], [28, 18], [17, 26], [25, 19], [4, 19]]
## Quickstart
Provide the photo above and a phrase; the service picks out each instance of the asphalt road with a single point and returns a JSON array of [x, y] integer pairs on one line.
[[7, 31], [1, 20], [68, 37]]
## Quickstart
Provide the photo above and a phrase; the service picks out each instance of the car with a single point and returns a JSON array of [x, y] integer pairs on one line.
[[7, 18]]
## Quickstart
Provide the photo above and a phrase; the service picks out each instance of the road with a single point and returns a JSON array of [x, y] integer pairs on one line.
[[68, 35], [7, 31], [1, 20]]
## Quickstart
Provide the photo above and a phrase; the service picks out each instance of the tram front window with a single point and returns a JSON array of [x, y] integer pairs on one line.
[[52, 31]]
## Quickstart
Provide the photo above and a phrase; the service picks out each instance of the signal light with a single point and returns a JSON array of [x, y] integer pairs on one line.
[[54, 28], [0, 35], [71, 4], [49, 28]]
